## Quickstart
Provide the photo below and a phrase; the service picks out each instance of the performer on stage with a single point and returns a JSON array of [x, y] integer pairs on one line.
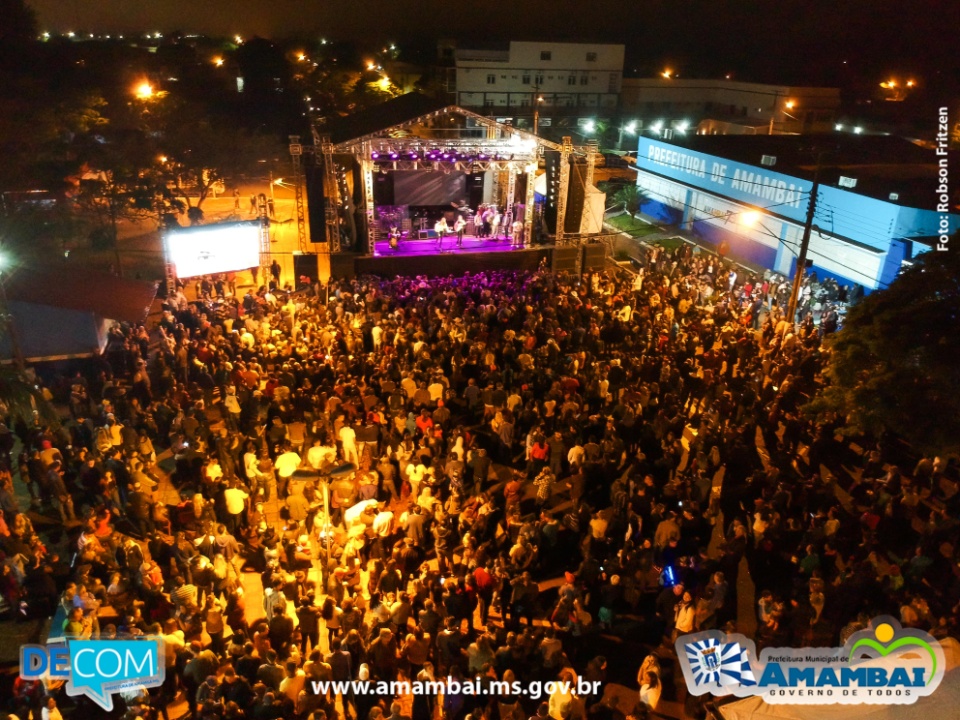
[[478, 222], [458, 227], [394, 237], [495, 223], [487, 221], [441, 229], [516, 234]]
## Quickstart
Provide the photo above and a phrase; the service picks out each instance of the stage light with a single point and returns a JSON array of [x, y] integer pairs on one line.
[[394, 156], [482, 156], [375, 155]]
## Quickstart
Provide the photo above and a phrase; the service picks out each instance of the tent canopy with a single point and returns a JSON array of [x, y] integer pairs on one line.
[[69, 288]]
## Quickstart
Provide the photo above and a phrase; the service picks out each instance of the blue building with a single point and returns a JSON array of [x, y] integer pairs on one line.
[[876, 205]]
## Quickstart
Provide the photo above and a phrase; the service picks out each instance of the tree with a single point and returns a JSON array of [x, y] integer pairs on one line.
[[630, 197], [893, 367]]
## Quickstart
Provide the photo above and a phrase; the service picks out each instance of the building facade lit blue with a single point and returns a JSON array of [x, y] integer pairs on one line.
[[760, 213]]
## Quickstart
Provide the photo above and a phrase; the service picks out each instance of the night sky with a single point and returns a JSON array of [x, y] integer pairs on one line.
[[782, 40]]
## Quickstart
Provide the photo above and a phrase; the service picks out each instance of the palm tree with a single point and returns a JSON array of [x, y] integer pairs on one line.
[[630, 197]]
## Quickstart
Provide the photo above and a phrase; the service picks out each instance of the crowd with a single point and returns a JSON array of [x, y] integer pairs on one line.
[[535, 463]]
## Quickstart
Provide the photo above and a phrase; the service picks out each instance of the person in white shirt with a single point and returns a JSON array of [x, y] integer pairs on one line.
[[320, 454], [495, 224], [234, 499], [348, 442], [436, 389], [51, 711], [415, 473], [650, 690], [286, 464]]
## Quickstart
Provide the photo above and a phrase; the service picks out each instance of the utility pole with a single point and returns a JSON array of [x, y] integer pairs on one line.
[[773, 113], [536, 108], [804, 244]]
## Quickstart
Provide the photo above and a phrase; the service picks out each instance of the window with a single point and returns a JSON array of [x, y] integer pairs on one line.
[[584, 79], [491, 79], [572, 80], [591, 57], [546, 55], [539, 80], [525, 80]]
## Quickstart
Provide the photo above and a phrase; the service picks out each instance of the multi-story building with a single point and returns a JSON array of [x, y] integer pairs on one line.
[[728, 107], [565, 79]]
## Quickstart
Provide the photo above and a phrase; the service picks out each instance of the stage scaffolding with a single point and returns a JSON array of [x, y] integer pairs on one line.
[[422, 143]]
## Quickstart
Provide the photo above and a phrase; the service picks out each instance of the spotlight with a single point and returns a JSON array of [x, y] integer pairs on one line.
[[482, 156], [375, 155], [394, 156]]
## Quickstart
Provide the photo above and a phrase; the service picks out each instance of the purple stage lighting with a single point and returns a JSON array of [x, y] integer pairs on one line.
[[375, 155], [394, 156]]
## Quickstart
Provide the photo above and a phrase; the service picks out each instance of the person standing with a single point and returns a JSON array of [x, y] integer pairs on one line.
[[275, 271], [495, 219], [516, 234], [441, 229], [458, 227]]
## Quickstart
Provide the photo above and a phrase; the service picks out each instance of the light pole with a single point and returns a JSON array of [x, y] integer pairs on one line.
[[537, 99], [630, 128], [15, 348], [804, 244]]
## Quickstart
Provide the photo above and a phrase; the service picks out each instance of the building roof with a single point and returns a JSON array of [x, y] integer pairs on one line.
[[881, 164], [69, 288]]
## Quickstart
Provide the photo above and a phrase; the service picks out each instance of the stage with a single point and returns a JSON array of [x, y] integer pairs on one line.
[[429, 246], [421, 257]]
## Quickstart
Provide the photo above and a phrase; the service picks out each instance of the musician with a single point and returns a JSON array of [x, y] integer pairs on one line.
[[487, 221], [495, 224], [478, 222], [458, 227], [516, 234], [441, 229], [394, 237]]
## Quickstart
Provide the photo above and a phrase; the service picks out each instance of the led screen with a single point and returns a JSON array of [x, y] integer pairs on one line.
[[214, 249]]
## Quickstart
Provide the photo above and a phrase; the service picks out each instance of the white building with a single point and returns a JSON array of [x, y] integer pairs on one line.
[[729, 107], [571, 78]]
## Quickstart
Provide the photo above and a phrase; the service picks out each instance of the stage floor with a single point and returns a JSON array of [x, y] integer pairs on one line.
[[471, 244]]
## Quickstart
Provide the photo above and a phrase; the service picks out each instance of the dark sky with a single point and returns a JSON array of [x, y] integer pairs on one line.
[[399, 18], [813, 41]]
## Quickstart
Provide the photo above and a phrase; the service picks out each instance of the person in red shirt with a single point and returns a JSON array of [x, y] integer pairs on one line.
[[424, 422]]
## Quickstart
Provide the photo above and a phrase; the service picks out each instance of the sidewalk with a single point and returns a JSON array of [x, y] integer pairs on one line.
[[626, 242]]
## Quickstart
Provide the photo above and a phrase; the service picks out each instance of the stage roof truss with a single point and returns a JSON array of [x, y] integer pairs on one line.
[[505, 135]]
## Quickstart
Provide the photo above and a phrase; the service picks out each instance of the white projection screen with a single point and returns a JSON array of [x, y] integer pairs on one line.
[[214, 249]]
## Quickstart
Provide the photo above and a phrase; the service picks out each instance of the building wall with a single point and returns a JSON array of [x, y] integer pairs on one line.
[[856, 239], [655, 99], [570, 76]]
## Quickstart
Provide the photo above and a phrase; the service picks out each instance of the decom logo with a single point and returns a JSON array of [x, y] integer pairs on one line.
[[96, 668], [884, 664]]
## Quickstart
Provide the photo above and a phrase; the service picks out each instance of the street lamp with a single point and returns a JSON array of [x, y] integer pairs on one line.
[[789, 105], [144, 91], [668, 73]]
